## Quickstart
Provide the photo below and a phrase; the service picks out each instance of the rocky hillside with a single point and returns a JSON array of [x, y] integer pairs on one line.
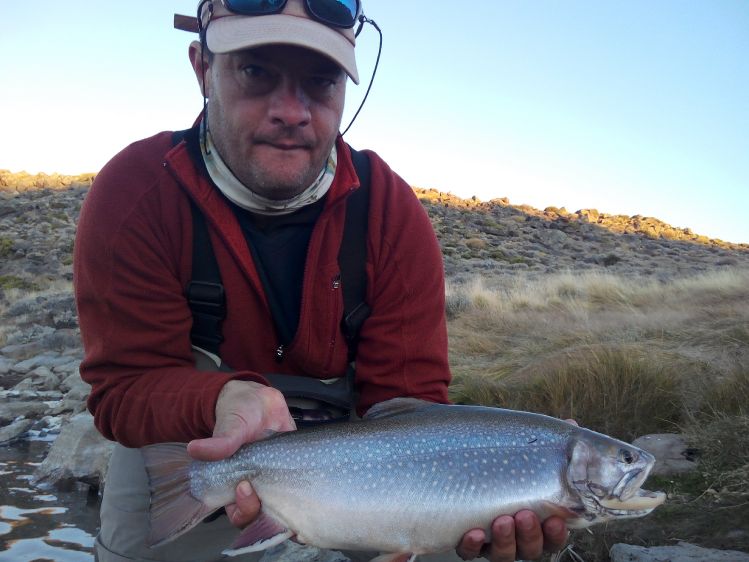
[[496, 237], [38, 216]]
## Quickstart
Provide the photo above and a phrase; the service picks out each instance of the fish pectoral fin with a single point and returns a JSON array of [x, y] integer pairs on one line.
[[264, 532], [395, 557], [395, 407]]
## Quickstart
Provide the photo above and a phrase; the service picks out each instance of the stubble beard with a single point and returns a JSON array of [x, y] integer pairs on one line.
[[257, 177]]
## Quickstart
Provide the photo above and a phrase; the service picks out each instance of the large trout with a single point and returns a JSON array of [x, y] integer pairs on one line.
[[412, 477]]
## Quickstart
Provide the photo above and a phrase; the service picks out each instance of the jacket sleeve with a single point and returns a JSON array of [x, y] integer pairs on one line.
[[403, 344], [134, 319]]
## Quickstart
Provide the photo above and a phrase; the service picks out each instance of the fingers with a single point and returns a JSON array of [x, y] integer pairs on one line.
[[515, 538], [529, 535], [246, 506], [213, 448], [471, 544], [503, 547], [555, 534]]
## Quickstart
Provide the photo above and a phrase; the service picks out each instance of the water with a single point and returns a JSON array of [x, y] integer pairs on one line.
[[38, 524]]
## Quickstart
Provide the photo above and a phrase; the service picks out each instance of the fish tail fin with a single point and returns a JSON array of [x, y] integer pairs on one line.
[[174, 510]]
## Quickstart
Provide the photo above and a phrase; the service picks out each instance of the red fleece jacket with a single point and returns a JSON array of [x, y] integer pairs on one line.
[[133, 260]]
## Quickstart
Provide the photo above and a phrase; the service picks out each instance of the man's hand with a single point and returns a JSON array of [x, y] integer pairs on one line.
[[245, 412], [521, 537]]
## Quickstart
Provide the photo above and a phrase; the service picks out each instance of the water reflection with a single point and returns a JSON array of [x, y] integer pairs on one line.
[[42, 524]]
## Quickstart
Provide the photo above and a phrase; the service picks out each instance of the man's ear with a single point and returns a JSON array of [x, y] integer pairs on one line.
[[200, 65]]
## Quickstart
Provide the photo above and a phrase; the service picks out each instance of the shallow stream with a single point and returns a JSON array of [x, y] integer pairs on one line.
[[37, 524]]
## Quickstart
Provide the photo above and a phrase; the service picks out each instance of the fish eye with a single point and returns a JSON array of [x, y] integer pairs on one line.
[[626, 456]]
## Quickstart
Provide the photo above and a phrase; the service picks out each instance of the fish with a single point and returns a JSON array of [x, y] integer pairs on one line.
[[411, 477]]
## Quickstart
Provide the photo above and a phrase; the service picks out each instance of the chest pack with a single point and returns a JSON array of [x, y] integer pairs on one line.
[[310, 400]]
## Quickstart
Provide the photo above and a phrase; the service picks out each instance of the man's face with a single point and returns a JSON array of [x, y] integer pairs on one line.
[[274, 114]]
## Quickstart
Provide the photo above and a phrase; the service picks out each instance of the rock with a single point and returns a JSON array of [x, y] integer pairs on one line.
[[11, 432], [551, 237], [44, 360], [682, 552], [68, 406], [672, 456], [9, 411], [79, 390], [79, 453], [70, 367], [40, 378], [5, 365]]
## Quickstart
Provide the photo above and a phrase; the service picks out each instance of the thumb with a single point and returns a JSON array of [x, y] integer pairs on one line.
[[214, 448]]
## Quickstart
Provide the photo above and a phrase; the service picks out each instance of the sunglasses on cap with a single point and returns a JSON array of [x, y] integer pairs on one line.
[[335, 13]]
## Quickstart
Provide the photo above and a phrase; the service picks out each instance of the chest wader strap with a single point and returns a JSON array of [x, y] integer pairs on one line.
[[352, 256], [205, 293]]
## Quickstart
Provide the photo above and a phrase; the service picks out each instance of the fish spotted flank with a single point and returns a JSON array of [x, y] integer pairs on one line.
[[412, 477]]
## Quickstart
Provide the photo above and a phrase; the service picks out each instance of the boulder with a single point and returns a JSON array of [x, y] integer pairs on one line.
[[551, 237], [682, 552], [41, 378], [77, 388], [15, 430], [672, 456], [79, 453], [9, 411]]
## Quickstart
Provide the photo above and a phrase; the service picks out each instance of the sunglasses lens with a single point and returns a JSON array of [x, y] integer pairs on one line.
[[254, 7], [340, 13]]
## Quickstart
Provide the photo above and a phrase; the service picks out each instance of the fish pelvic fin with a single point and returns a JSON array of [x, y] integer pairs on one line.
[[173, 510], [264, 532]]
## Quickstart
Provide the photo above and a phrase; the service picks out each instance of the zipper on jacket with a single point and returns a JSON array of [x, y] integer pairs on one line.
[[279, 353]]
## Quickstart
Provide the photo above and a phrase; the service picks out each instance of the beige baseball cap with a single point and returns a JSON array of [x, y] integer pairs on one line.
[[227, 32]]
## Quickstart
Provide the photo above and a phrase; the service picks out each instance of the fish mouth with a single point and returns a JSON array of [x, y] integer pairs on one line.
[[641, 502]]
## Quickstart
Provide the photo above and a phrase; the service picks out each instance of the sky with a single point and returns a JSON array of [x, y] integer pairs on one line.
[[637, 107]]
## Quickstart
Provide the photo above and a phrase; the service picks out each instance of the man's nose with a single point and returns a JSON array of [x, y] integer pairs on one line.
[[290, 105]]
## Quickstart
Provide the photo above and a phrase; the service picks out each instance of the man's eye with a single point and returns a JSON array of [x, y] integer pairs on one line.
[[322, 82], [254, 71]]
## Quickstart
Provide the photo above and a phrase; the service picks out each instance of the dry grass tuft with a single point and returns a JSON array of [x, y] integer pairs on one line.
[[625, 392], [621, 356], [723, 444]]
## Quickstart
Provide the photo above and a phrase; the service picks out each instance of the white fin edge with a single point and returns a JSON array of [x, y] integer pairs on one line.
[[262, 545]]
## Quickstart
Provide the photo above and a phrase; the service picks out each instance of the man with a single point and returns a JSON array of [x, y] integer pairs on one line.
[[267, 168]]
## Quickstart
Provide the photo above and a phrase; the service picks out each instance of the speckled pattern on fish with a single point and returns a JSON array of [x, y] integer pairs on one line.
[[414, 477]]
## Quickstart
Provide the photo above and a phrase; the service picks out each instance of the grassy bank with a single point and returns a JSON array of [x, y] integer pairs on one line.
[[627, 357]]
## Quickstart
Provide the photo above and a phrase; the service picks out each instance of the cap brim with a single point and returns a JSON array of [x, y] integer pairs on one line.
[[233, 33]]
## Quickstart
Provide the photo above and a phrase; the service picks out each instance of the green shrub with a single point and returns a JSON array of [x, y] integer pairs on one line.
[[6, 247], [14, 282]]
